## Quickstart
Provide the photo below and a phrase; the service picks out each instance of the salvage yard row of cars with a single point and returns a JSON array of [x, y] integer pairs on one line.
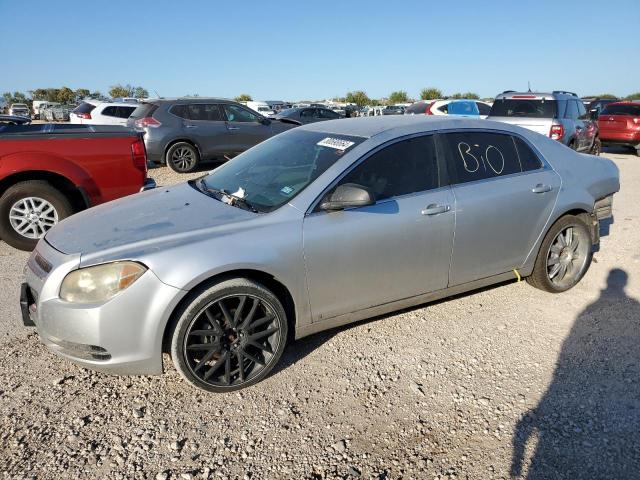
[[297, 228]]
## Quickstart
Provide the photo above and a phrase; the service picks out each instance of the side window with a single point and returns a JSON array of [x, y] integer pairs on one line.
[[326, 113], [239, 114], [483, 108], [307, 113], [179, 111], [480, 155], [405, 167], [582, 112], [109, 111], [528, 159], [204, 111], [124, 112], [572, 110]]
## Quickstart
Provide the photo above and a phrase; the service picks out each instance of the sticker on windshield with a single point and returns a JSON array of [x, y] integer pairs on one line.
[[286, 190], [337, 143]]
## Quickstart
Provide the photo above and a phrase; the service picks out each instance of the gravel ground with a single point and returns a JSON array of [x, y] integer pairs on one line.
[[508, 380]]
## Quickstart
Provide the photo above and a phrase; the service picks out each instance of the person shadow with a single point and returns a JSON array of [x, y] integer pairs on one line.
[[587, 425]]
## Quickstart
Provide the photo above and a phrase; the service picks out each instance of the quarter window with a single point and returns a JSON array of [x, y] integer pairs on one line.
[[239, 114], [572, 110], [481, 155], [405, 167], [528, 159], [109, 111]]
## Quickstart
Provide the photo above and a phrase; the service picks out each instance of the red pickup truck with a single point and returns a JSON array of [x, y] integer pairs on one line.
[[48, 172]]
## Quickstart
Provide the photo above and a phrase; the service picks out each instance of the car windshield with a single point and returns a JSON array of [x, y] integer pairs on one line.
[[535, 108], [270, 174], [633, 110]]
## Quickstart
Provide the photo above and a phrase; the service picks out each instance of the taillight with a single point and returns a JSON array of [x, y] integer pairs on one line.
[[636, 120], [428, 111], [139, 155], [556, 132], [147, 122], [86, 116]]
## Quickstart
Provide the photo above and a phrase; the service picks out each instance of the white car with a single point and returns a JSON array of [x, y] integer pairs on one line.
[[100, 113], [21, 109], [262, 108], [441, 107]]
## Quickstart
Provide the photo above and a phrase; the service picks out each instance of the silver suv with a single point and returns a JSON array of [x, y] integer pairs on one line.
[[558, 115]]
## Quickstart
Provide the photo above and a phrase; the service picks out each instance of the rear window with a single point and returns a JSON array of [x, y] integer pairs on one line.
[[633, 110], [419, 107], [144, 110], [521, 107], [84, 108]]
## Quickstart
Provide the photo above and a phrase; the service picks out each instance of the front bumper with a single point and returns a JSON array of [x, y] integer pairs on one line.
[[123, 335]]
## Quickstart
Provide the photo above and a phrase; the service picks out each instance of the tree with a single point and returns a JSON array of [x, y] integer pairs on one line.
[[633, 96], [16, 97], [140, 92], [358, 97], [95, 95], [81, 93], [120, 90], [471, 96], [66, 95], [606, 96], [399, 96], [244, 97], [430, 93]]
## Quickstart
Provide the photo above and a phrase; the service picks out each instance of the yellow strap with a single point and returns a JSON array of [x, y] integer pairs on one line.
[[515, 270]]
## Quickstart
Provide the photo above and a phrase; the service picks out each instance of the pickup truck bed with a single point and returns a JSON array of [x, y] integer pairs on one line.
[[50, 171]]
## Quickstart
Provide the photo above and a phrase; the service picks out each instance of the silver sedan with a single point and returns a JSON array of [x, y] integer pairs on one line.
[[317, 227]]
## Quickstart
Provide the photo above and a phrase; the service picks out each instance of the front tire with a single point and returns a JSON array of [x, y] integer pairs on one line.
[[182, 157], [28, 210], [229, 336], [564, 256]]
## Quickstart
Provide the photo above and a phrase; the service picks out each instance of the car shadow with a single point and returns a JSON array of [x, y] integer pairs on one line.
[[587, 424], [298, 349]]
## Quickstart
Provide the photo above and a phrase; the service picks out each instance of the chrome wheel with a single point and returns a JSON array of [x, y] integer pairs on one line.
[[32, 217], [232, 340], [183, 158], [567, 257]]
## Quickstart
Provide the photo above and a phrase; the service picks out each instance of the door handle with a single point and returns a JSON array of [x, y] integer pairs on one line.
[[541, 188], [233, 128], [435, 209], [190, 126]]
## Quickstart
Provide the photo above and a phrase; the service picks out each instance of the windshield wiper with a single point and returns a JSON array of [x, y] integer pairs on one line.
[[231, 199]]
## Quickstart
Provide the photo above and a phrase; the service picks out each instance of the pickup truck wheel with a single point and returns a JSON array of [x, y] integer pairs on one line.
[[28, 210], [564, 256], [182, 157], [229, 336]]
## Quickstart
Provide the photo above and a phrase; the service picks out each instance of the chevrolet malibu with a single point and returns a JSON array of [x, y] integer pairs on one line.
[[317, 227]]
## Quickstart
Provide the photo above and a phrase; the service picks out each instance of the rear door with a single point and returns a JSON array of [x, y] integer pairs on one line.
[[309, 115], [245, 127], [504, 195], [397, 248], [204, 124]]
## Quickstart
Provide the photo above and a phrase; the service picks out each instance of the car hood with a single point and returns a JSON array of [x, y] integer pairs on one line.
[[164, 215]]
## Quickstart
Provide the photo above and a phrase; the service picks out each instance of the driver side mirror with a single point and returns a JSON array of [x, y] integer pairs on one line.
[[348, 195], [265, 121], [593, 114]]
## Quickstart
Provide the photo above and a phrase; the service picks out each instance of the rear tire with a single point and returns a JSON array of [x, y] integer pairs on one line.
[[564, 256], [28, 210], [182, 157], [596, 148]]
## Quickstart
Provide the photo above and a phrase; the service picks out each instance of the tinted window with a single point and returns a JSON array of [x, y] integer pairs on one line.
[[633, 110], [483, 108], [480, 155], [405, 167], [528, 159], [84, 108], [308, 113], [325, 113], [204, 112], [572, 110], [523, 108], [582, 111], [276, 170], [109, 111], [417, 108], [146, 110], [124, 112], [239, 114]]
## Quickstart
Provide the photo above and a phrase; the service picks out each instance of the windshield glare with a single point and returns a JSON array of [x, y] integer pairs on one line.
[[270, 174]]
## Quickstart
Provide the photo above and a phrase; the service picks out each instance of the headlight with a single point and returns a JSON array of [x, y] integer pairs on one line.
[[99, 283]]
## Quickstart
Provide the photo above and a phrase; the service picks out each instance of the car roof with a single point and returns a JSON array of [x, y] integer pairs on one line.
[[625, 102], [537, 95], [189, 100], [368, 127], [117, 104]]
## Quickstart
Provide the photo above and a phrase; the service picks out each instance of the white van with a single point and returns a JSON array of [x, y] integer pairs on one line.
[[262, 108]]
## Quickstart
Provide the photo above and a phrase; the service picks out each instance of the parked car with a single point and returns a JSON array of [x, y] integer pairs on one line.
[[558, 115], [619, 124], [37, 105], [320, 226], [262, 108], [441, 107], [56, 113], [596, 106], [108, 113], [393, 110], [21, 109], [13, 120], [83, 111], [305, 115], [48, 172], [183, 131]]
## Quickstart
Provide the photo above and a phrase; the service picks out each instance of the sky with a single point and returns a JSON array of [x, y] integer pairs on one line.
[[295, 50]]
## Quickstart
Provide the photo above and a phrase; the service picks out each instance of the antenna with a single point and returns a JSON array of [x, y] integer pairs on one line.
[[157, 94], [529, 85]]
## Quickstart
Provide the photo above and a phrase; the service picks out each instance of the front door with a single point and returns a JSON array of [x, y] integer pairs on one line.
[[504, 197], [398, 248], [245, 127]]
